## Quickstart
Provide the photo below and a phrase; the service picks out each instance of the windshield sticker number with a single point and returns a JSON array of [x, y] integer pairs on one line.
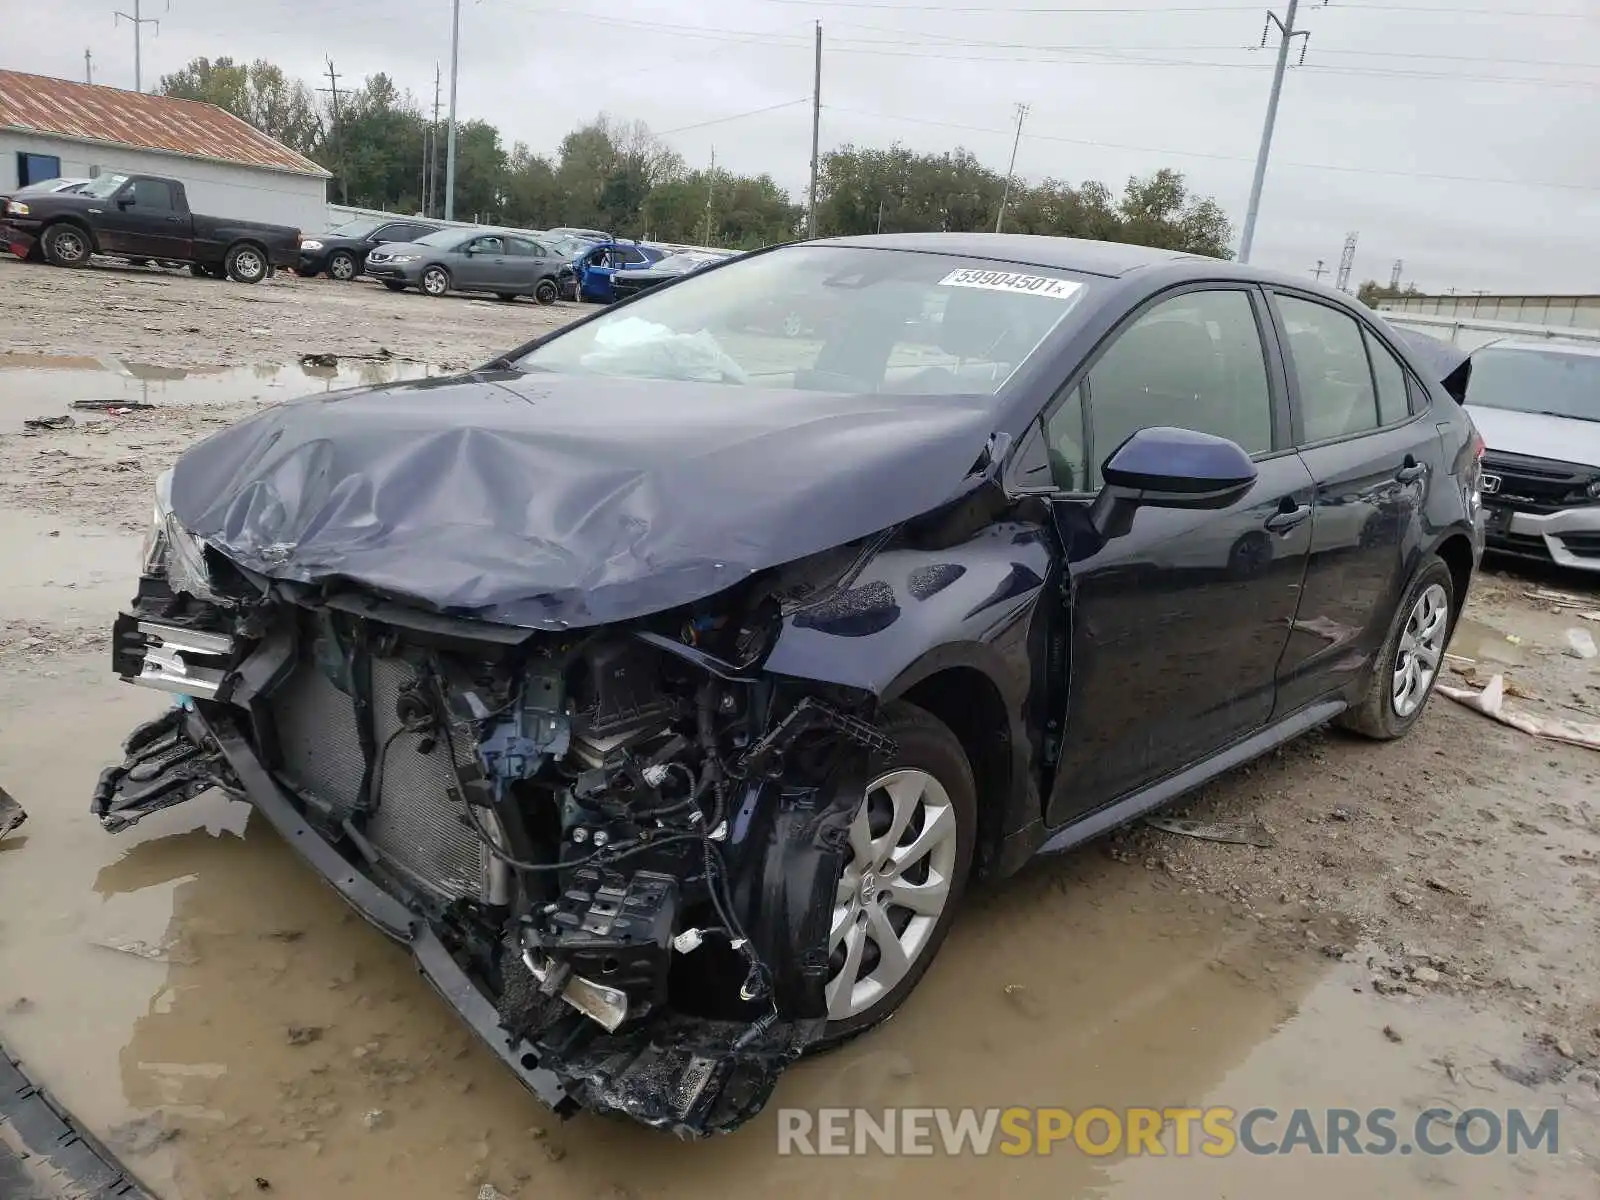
[[1011, 281]]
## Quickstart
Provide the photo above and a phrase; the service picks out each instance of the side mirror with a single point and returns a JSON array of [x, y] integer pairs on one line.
[[1169, 468], [124, 202]]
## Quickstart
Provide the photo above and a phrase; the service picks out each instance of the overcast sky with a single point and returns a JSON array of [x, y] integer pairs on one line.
[[1396, 96]]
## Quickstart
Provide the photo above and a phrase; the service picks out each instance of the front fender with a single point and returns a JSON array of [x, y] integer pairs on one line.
[[913, 611]]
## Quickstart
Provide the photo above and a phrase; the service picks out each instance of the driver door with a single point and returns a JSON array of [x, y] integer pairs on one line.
[[483, 263], [1176, 627]]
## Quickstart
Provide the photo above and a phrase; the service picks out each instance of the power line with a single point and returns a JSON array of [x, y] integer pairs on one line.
[[1139, 10], [739, 116], [1166, 150]]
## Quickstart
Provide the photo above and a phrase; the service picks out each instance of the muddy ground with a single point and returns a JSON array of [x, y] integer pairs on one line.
[[1421, 930]]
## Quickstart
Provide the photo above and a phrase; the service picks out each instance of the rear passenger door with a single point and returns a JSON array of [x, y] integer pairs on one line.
[[1177, 627], [1369, 456]]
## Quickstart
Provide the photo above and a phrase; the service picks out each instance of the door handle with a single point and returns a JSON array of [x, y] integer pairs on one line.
[[1285, 520], [174, 220], [1410, 471]]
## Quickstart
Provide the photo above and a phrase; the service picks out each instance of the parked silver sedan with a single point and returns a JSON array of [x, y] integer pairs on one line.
[[471, 260]]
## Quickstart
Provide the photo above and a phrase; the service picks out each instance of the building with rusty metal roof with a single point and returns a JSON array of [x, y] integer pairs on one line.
[[60, 128]]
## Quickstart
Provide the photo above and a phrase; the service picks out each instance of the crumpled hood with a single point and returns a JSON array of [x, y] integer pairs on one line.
[[1563, 439], [551, 501]]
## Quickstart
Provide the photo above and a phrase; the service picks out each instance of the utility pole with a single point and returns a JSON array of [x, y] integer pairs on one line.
[[1347, 262], [139, 22], [711, 188], [1286, 35], [338, 133], [1394, 275], [1022, 111], [1319, 272], [880, 215], [450, 138], [88, 66], [430, 166], [816, 129]]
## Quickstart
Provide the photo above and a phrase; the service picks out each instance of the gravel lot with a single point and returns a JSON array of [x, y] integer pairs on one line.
[[1421, 928]]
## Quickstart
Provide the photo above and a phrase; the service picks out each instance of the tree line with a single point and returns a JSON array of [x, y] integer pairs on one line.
[[381, 148]]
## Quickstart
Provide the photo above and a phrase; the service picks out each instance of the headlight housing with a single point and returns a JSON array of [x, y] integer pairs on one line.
[[404, 257], [311, 244], [171, 550], [17, 208], [1594, 488]]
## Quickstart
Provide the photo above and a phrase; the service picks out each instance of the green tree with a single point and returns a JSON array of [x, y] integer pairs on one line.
[[257, 92]]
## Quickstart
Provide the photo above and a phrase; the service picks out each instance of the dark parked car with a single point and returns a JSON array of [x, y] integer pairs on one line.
[[673, 266], [661, 685], [44, 187], [342, 252], [143, 217], [472, 260]]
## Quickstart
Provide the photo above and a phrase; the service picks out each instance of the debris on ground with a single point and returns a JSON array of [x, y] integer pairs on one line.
[[141, 1135], [1254, 834], [155, 953], [1580, 643], [12, 814], [1392, 1034], [375, 1118], [304, 1035], [44, 423], [116, 407], [1491, 703], [19, 1006], [319, 360]]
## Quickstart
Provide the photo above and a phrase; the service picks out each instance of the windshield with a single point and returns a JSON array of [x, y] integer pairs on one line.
[[445, 238], [358, 228], [564, 245], [827, 318], [102, 187], [1543, 381]]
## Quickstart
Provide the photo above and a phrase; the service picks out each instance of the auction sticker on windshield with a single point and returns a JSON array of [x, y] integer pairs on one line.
[[1011, 281]]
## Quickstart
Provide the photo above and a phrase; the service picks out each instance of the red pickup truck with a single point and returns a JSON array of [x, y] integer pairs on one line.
[[142, 217]]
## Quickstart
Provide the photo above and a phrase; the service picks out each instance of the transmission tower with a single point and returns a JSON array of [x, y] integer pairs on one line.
[[1347, 262], [1394, 275]]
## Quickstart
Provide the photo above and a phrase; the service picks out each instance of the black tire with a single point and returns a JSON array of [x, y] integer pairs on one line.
[[922, 742], [435, 282], [546, 291], [245, 263], [342, 266], [1376, 715], [506, 297], [394, 285], [66, 245]]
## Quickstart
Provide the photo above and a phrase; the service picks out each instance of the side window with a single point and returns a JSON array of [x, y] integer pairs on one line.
[[1064, 443], [151, 195], [1194, 361], [1390, 377], [489, 245], [539, 251], [1330, 364], [519, 248], [391, 233], [410, 233]]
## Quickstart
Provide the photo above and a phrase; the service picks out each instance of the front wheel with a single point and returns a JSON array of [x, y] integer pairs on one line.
[[1409, 664], [342, 266], [546, 291], [245, 264], [435, 282], [66, 246], [910, 848]]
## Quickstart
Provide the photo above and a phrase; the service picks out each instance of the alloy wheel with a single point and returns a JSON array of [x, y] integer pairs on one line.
[[248, 264], [434, 282], [342, 267], [69, 246], [1421, 649], [903, 844]]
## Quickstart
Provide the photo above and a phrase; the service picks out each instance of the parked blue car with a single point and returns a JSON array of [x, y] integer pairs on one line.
[[595, 267]]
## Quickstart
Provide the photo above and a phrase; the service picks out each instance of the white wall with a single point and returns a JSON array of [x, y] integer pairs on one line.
[[214, 188]]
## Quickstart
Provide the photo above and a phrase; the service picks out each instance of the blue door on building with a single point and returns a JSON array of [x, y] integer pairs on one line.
[[36, 168]]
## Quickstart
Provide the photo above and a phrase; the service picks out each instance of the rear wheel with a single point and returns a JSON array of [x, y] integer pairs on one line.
[[1409, 664], [245, 263], [342, 266], [435, 282], [910, 849], [546, 292], [66, 246]]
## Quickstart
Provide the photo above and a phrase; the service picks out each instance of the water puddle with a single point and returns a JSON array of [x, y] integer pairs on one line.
[[1476, 640], [200, 999], [45, 386]]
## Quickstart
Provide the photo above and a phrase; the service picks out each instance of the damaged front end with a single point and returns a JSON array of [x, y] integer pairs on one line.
[[613, 850]]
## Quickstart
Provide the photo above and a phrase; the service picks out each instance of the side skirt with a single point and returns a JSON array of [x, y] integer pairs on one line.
[[1120, 812]]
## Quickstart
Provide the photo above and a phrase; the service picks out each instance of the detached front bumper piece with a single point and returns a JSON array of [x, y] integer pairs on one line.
[[46, 1155]]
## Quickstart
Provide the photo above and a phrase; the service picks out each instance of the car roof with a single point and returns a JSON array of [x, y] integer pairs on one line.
[[1067, 254], [1544, 346]]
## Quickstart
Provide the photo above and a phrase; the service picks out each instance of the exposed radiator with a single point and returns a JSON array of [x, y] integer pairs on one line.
[[417, 829]]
